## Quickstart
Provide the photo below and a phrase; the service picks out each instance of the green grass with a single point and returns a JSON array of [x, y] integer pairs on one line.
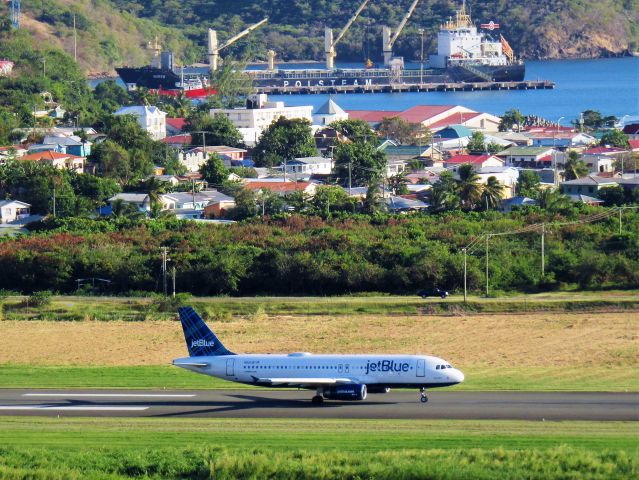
[[36, 447], [477, 378], [69, 308]]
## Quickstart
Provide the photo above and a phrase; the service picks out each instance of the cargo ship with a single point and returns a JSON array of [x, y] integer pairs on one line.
[[465, 53]]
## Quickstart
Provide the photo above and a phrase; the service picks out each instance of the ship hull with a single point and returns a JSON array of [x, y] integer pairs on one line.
[[148, 77]]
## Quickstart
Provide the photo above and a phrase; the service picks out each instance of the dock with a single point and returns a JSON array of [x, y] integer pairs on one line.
[[405, 87]]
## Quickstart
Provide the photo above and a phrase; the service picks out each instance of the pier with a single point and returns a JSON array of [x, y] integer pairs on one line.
[[406, 87]]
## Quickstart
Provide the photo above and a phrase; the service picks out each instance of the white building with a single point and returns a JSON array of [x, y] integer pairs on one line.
[[151, 119], [328, 113], [12, 210], [309, 166], [260, 114]]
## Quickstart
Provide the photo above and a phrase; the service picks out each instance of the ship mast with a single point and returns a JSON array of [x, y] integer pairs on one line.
[[389, 40], [330, 44], [215, 47]]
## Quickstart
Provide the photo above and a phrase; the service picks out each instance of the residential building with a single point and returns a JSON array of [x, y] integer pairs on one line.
[[328, 113], [140, 200], [194, 158], [69, 144], [11, 152], [530, 157], [477, 161], [560, 139], [508, 204], [599, 163], [282, 188], [404, 153], [151, 119], [178, 141], [309, 166], [175, 126], [519, 139], [397, 204], [57, 160], [506, 176], [13, 210], [219, 207], [589, 185]]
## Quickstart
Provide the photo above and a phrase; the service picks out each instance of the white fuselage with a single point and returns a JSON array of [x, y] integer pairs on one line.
[[382, 370]]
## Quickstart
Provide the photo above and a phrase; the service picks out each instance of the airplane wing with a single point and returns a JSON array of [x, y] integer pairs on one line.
[[302, 381], [191, 364]]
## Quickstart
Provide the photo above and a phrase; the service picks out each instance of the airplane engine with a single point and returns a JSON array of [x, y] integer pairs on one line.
[[378, 389], [346, 392]]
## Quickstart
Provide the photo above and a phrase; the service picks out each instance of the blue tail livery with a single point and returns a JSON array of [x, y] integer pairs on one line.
[[200, 340]]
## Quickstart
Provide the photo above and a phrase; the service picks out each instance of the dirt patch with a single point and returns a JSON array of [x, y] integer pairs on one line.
[[544, 339]]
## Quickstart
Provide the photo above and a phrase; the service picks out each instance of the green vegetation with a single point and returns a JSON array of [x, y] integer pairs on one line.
[[237, 448], [479, 378], [297, 255], [284, 139]]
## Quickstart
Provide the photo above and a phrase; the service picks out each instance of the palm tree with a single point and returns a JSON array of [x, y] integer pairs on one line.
[[492, 194], [469, 187], [553, 200], [155, 188], [575, 167]]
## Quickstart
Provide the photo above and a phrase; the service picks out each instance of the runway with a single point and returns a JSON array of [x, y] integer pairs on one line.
[[296, 404]]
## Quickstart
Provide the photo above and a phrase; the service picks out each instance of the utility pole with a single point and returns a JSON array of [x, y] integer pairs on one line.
[[164, 259], [174, 280], [487, 236], [465, 293], [543, 249], [421, 58], [620, 209], [285, 169], [54, 200], [350, 186], [75, 41]]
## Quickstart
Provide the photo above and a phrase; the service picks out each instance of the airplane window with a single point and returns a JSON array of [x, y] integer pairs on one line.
[[449, 366], [437, 367]]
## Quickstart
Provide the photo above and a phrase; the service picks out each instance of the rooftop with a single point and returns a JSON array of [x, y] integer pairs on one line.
[[472, 159]]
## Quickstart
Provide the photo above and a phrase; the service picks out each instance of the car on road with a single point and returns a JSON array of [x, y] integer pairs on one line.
[[432, 292]]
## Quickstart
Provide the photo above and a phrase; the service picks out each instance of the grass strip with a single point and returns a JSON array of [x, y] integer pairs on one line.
[[300, 448], [478, 378]]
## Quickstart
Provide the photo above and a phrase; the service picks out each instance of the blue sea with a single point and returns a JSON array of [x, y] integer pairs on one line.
[[609, 85]]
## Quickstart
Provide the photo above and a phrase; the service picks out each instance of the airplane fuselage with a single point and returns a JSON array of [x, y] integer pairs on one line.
[[414, 371]]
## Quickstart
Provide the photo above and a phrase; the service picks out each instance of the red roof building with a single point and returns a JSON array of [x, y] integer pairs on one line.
[[57, 160], [283, 188], [477, 161], [611, 151], [175, 126], [634, 145]]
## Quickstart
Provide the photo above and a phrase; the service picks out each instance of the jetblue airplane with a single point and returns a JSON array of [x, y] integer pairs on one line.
[[334, 377]]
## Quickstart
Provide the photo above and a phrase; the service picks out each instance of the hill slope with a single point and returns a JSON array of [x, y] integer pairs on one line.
[[114, 32]]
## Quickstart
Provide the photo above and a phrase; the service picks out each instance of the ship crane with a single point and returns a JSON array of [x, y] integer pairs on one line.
[[389, 39], [215, 47], [330, 44]]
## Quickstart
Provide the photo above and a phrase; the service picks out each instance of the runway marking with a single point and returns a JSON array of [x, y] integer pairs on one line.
[[73, 408], [110, 395]]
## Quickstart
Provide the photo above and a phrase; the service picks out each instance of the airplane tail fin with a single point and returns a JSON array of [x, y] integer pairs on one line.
[[200, 340]]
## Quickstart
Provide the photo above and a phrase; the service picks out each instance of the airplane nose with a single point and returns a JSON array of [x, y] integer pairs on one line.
[[458, 376]]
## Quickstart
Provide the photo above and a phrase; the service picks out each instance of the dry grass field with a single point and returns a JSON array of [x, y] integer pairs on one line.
[[501, 340]]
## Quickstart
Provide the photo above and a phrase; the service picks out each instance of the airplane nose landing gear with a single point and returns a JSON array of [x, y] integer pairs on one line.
[[423, 397]]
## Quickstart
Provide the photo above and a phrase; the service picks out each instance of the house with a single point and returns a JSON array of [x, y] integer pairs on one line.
[[629, 183], [282, 188], [397, 204], [599, 163], [477, 161], [11, 152], [560, 139], [530, 157], [13, 210], [589, 185], [404, 153], [328, 113], [219, 206], [140, 200], [57, 160], [151, 119], [506, 176], [194, 158], [175, 126], [516, 138], [508, 204], [178, 141], [435, 117], [309, 166], [69, 144], [579, 198]]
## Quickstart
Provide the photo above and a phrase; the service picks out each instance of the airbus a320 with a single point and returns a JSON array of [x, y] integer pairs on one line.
[[333, 377]]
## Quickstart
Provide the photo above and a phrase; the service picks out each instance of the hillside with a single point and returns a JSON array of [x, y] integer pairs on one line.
[[115, 32]]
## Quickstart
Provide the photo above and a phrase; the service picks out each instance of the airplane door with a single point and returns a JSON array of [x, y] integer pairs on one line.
[[340, 368], [346, 368], [421, 368], [229, 367]]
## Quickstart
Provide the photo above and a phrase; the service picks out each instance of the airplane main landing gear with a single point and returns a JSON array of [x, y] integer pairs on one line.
[[423, 397], [318, 399]]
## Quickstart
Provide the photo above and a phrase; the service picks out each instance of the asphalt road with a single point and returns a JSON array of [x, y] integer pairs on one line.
[[296, 404]]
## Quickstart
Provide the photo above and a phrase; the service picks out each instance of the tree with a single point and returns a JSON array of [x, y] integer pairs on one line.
[[374, 201], [398, 183], [615, 138], [231, 84], [219, 130], [367, 164], [284, 139], [356, 130], [444, 195], [329, 199], [403, 132], [492, 193], [213, 170], [553, 201], [612, 196], [575, 167], [528, 184], [510, 119], [469, 187], [593, 120]]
